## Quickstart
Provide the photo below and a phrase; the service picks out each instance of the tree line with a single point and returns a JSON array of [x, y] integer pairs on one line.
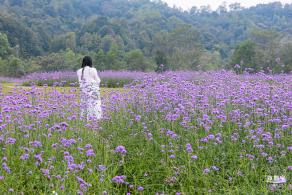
[[143, 35]]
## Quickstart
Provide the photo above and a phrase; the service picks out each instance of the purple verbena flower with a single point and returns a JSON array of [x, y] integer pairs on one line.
[[101, 167], [194, 157], [35, 144], [121, 149], [38, 157], [10, 141], [90, 152], [206, 171], [6, 168], [119, 179], [189, 148], [24, 157]]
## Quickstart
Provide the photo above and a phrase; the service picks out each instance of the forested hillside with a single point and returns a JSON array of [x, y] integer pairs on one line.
[[46, 35]]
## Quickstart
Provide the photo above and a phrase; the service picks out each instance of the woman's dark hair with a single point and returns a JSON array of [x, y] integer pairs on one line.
[[87, 61]]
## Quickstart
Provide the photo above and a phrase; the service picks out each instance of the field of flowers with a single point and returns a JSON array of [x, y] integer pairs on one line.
[[110, 79], [173, 133]]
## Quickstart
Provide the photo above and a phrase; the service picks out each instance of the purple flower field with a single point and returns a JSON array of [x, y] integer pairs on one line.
[[63, 75], [172, 133], [72, 75]]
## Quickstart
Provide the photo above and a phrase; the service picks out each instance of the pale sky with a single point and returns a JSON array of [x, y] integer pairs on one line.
[[187, 4]]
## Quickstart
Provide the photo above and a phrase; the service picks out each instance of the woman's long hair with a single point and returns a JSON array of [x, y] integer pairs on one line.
[[87, 61]]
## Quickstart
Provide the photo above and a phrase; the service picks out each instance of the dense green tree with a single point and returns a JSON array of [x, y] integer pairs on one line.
[[4, 45], [161, 61], [107, 42], [285, 60], [111, 59], [100, 60], [58, 43], [19, 34], [245, 56], [181, 45], [135, 60], [15, 67], [70, 41], [210, 60], [3, 67], [90, 42], [268, 44]]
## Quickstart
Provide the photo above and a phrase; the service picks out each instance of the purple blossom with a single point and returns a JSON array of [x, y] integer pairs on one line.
[[35, 144], [101, 167], [59, 177], [88, 146], [206, 171], [194, 157], [72, 166], [138, 118], [83, 185], [67, 142], [149, 136], [211, 136], [270, 159], [264, 154], [171, 134], [215, 168], [46, 172], [54, 145], [90, 153], [10, 141], [24, 157], [80, 149], [38, 157], [119, 179], [237, 66], [121, 149], [189, 148], [90, 171], [6, 168]]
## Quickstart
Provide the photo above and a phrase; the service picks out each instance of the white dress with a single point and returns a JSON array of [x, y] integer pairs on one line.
[[89, 93]]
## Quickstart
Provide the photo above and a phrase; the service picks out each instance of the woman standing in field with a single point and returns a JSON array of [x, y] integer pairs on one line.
[[89, 82]]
